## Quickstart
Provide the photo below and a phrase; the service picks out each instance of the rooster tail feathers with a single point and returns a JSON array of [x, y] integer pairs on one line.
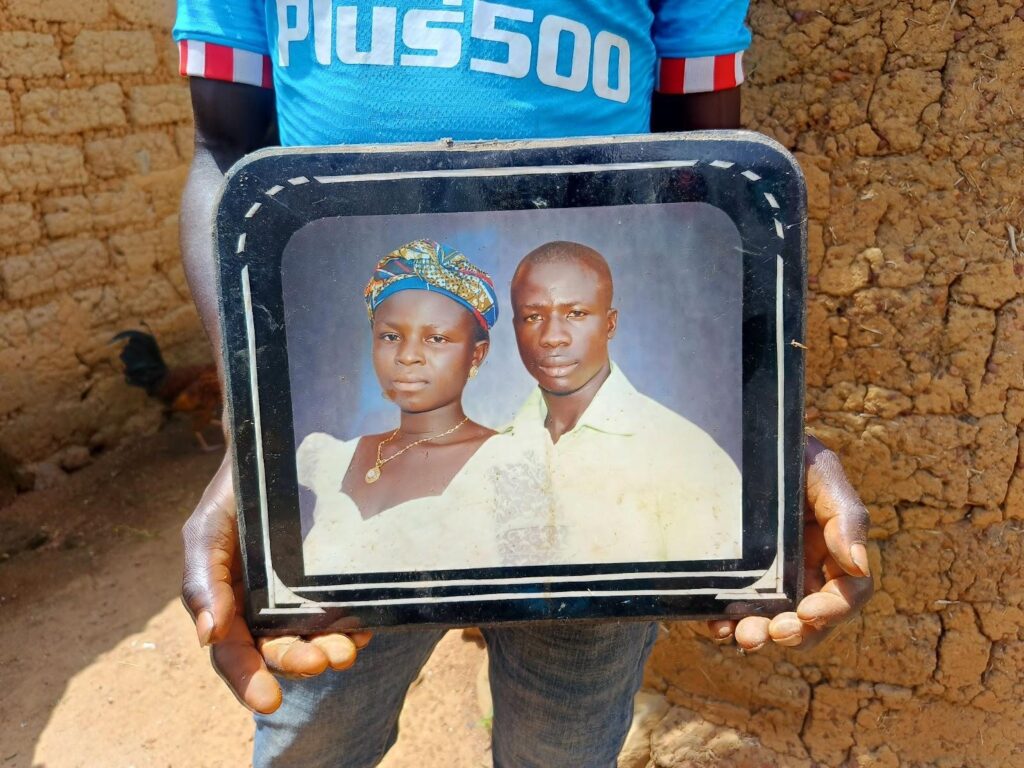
[[144, 366]]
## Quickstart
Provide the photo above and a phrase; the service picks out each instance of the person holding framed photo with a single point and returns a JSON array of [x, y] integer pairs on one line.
[[304, 72], [631, 480]]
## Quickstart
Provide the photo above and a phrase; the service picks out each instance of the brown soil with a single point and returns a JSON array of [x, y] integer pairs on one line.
[[99, 665]]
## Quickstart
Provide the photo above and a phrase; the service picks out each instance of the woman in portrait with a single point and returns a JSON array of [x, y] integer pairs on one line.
[[420, 496]]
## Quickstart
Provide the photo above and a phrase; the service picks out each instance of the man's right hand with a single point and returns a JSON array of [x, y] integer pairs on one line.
[[213, 592]]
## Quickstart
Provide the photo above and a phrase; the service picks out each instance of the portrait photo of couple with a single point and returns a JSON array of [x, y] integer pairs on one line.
[[516, 388]]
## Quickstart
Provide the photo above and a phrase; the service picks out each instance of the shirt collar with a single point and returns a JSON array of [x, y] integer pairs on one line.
[[610, 411]]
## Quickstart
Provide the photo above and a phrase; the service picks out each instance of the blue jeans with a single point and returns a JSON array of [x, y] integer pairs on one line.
[[563, 698]]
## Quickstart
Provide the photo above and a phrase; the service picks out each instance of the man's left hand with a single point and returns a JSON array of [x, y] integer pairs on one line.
[[837, 577]]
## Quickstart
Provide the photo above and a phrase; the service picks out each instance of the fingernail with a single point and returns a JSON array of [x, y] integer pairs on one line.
[[340, 654], [786, 628], [859, 555], [204, 627], [790, 641], [361, 639], [816, 622], [724, 632]]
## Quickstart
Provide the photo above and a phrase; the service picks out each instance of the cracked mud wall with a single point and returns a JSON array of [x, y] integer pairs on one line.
[[907, 119], [95, 138]]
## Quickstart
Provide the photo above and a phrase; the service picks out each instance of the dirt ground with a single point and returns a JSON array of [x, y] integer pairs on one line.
[[99, 665]]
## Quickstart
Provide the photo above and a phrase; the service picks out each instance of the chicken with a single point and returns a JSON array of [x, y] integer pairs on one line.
[[192, 389]]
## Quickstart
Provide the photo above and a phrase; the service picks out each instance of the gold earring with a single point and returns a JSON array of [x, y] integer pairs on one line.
[[473, 371]]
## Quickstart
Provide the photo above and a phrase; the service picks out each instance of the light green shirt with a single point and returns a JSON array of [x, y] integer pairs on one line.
[[632, 482]]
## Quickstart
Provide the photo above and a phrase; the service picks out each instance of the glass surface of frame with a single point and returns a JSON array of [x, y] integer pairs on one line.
[[704, 237]]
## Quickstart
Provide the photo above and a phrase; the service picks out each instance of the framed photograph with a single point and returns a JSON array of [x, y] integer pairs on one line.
[[516, 381]]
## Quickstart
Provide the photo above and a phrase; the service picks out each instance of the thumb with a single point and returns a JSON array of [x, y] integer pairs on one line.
[[211, 552], [837, 508]]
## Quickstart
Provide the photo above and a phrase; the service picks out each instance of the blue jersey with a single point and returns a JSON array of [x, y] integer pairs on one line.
[[465, 69]]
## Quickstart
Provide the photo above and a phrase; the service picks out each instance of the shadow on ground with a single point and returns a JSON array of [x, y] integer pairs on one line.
[[93, 644]]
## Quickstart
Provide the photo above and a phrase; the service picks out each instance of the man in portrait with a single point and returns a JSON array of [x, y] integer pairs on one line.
[[625, 478]]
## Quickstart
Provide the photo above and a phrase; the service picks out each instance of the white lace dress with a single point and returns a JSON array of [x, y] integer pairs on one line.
[[490, 515]]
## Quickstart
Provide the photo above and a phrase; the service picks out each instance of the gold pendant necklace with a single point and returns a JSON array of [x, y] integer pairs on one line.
[[374, 472]]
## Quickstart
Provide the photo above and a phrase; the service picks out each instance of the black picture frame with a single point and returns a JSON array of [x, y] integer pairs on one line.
[[270, 195]]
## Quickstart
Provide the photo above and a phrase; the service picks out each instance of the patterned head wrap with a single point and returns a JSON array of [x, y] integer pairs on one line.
[[424, 265]]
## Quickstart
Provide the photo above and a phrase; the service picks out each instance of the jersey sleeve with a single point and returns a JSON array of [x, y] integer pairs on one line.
[[223, 40], [699, 44]]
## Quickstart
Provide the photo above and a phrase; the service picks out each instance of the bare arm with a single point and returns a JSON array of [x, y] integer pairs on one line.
[[231, 120], [695, 111]]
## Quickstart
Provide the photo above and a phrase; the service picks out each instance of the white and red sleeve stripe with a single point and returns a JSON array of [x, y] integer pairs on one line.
[[700, 74], [222, 62]]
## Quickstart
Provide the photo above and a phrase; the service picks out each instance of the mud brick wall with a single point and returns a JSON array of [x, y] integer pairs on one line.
[[95, 136], [907, 119]]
